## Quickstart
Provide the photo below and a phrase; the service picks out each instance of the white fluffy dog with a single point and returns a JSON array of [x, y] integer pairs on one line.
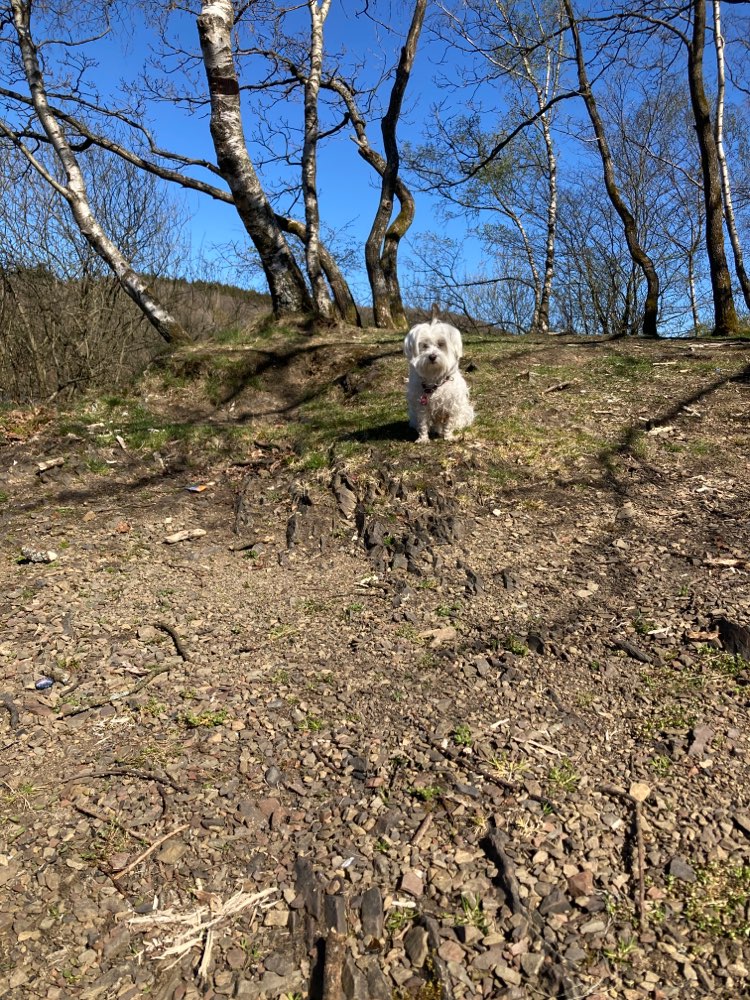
[[437, 393]]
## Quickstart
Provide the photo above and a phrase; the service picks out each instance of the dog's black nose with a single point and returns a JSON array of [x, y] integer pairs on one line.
[[433, 357]]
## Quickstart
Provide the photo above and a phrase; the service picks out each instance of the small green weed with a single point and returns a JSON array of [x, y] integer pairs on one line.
[[515, 646], [310, 724], [565, 777], [661, 765], [717, 903], [472, 914], [206, 719], [399, 917], [427, 793], [622, 950], [462, 735], [509, 767]]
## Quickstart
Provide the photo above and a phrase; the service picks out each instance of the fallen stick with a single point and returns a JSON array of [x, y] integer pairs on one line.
[[7, 702], [128, 772], [92, 814], [506, 874], [638, 823], [100, 702], [149, 850], [174, 637], [422, 829]]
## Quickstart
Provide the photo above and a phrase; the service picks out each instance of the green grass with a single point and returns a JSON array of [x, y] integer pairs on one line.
[[623, 366], [717, 902]]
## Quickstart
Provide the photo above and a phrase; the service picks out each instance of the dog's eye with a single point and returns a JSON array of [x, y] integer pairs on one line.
[[441, 344]]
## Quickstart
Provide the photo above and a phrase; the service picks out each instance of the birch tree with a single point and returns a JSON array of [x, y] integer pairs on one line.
[[286, 283], [726, 187], [73, 188], [318, 13], [725, 316], [640, 258], [521, 43]]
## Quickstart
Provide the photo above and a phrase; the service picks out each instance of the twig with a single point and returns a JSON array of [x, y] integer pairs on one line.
[[7, 702], [129, 772], [175, 638], [509, 786], [205, 963], [641, 866], [100, 702], [638, 823], [424, 826], [85, 811], [334, 963], [149, 850]]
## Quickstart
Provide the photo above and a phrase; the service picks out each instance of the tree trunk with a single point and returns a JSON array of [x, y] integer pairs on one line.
[[321, 299], [638, 255], [342, 296], [286, 283], [734, 238], [725, 317], [384, 285], [74, 191]]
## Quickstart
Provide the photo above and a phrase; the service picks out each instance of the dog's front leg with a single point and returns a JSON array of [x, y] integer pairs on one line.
[[423, 428]]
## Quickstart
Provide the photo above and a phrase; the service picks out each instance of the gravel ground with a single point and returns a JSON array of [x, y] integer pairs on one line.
[[375, 732]]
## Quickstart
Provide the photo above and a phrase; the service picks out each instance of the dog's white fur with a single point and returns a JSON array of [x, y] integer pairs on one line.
[[437, 393]]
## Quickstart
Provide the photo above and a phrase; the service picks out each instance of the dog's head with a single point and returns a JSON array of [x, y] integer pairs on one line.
[[433, 349]]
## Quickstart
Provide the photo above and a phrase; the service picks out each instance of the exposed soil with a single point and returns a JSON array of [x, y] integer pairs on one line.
[[466, 720]]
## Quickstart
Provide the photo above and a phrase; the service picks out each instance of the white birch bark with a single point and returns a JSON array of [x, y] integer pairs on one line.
[[74, 190], [318, 13], [726, 188], [285, 280]]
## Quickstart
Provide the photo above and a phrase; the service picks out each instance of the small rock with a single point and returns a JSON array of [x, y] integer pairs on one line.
[[451, 951], [700, 737], [511, 977], [679, 868], [371, 915], [171, 853], [531, 963], [555, 902], [639, 791], [413, 883], [581, 884], [494, 956], [273, 776], [415, 943], [276, 918], [335, 913]]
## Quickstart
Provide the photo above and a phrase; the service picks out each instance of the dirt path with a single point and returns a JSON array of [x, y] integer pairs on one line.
[[475, 709]]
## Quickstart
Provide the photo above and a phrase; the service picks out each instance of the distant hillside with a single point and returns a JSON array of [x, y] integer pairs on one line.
[[59, 338]]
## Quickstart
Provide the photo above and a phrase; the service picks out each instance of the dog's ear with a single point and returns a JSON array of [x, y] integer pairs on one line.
[[456, 342], [410, 344]]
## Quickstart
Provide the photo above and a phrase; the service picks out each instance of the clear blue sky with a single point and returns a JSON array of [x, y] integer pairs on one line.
[[348, 187]]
